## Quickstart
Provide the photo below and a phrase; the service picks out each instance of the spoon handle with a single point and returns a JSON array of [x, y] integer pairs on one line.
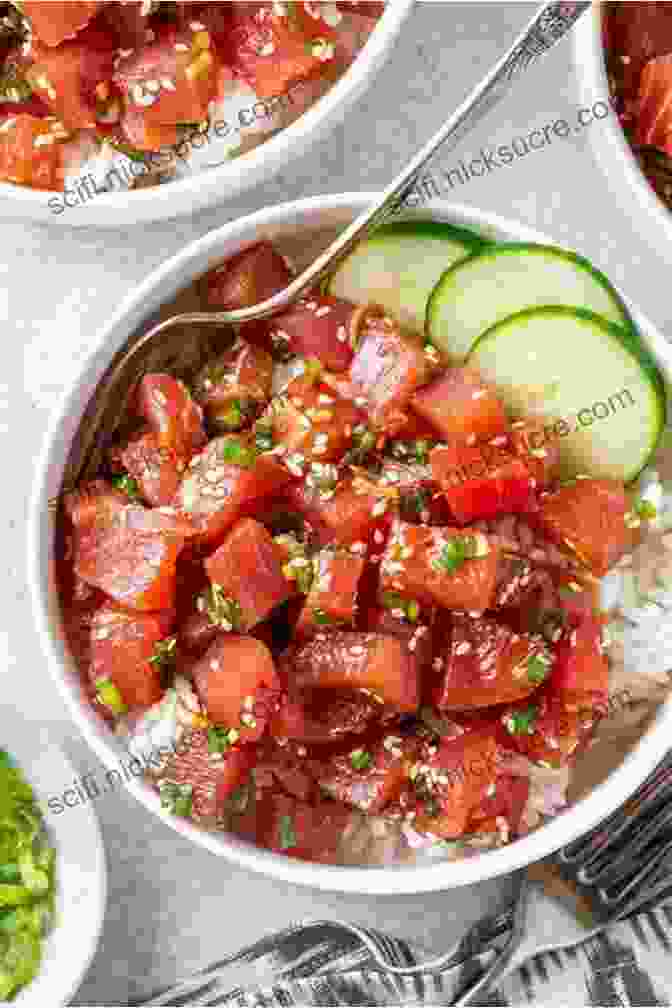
[[551, 22]]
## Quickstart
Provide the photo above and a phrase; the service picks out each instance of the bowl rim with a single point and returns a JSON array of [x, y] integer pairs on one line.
[[198, 190], [176, 273], [46, 766], [608, 142]]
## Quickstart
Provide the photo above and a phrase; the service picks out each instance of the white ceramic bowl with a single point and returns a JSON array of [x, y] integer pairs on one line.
[[215, 185], [283, 222], [80, 864], [627, 183]]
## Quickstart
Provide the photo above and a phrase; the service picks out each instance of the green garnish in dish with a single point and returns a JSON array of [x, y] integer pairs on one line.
[[287, 833], [26, 881], [360, 759], [127, 485]]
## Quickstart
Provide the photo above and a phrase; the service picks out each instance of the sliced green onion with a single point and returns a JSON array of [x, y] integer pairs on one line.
[[235, 451], [221, 739], [263, 436], [321, 617], [522, 722], [176, 798], [458, 550], [645, 509], [222, 611], [287, 833], [360, 759], [537, 668], [127, 485], [109, 696], [164, 652]]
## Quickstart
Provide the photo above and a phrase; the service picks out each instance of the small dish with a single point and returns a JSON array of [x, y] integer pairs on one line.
[[81, 874]]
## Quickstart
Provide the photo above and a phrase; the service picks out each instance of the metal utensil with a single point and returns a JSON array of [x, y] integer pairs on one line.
[[635, 841], [550, 23]]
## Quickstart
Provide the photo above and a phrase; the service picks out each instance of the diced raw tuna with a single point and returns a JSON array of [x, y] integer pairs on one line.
[[126, 550], [370, 775], [348, 659], [122, 647], [319, 326], [388, 367], [453, 568], [481, 481], [461, 406], [217, 489], [172, 414], [544, 730], [247, 567], [238, 685], [591, 518], [234, 387], [55, 21], [486, 663], [333, 596]]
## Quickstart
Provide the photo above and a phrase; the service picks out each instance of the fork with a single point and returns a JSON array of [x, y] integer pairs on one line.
[[551, 22], [617, 869]]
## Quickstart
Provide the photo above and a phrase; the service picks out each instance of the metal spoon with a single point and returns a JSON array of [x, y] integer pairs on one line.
[[550, 23]]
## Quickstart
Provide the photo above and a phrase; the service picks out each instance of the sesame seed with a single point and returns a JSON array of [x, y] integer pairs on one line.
[[321, 312], [341, 334], [479, 393]]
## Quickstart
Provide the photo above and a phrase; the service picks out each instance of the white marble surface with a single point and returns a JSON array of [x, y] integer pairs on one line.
[[171, 907]]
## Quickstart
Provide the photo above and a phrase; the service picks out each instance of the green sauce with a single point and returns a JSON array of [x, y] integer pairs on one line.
[[26, 881]]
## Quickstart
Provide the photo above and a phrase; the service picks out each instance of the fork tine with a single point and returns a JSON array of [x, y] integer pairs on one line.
[[643, 838], [625, 861]]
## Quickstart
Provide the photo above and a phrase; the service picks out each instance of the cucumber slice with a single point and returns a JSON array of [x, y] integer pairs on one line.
[[598, 387], [400, 265], [501, 280]]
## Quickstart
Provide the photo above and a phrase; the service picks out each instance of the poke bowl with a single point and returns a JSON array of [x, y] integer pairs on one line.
[[421, 721], [115, 113], [50, 935], [629, 147]]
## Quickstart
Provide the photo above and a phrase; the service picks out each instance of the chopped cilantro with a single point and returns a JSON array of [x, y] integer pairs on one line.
[[360, 759], [287, 833], [127, 485], [521, 722], [109, 696], [537, 668]]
